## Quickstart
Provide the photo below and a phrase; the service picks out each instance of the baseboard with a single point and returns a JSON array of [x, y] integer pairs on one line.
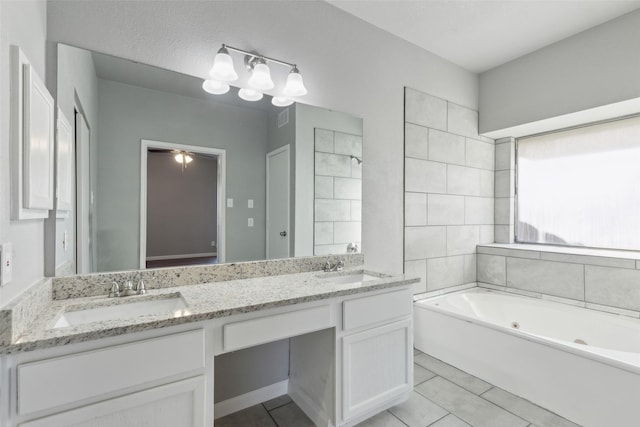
[[246, 400], [309, 407], [164, 257]]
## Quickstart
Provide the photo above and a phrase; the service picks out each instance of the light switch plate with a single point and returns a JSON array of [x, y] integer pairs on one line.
[[6, 255], [250, 204], [229, 203], [250, 222]]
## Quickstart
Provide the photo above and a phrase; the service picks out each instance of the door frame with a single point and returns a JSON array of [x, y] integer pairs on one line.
[[284, 148], [221, 154]]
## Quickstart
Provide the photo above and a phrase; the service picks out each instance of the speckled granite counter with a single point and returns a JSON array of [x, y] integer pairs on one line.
[[203, 301]]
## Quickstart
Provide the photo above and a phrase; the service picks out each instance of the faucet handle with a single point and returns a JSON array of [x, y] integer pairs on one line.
[[141, 288], [128, 285], [340, 265], [115, 290]]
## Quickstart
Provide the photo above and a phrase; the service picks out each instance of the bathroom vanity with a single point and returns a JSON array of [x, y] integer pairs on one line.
[[350, 351]]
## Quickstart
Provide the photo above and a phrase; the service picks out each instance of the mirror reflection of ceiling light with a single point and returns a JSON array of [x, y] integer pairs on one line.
[[183, 158], [223, 72]]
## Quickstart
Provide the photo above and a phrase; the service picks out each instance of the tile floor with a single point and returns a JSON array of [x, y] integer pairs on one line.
[[443, 396]]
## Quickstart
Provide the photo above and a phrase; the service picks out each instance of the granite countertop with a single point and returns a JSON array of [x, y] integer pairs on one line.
[[203, 301]]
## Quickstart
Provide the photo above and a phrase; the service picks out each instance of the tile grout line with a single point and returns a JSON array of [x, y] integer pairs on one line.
[[397, 418]]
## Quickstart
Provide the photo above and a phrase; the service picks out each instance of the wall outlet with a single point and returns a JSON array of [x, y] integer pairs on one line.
[[6, 256], [213, 243], [250, 222], [250, 204], [229, 203]]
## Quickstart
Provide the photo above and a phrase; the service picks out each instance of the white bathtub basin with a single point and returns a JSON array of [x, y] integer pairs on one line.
[[350, 278], [125, 310]]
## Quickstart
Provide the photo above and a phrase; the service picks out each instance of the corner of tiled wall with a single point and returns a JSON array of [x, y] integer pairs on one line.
[[505, 190], [449, 191]]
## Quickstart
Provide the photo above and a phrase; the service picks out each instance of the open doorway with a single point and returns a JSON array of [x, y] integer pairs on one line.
[[182, 211]]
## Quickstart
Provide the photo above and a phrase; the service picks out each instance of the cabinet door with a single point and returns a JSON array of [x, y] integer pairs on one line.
[[181, 403], [376, 367]]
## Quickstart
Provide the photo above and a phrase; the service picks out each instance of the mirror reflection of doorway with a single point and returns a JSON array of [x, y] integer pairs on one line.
[[182, 218]]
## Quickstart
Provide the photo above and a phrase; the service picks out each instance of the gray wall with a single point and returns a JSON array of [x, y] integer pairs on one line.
[[181, 205], [596, 67], [76, 78], [183, 37], [23, 24], [449, 189], [129, 114]]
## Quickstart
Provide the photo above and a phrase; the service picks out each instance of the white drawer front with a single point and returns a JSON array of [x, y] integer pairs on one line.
[[272, 328], [376, 309], [53, 382]]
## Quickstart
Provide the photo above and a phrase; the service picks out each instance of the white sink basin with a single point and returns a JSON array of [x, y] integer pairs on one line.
[[350, 278], [124, 310]]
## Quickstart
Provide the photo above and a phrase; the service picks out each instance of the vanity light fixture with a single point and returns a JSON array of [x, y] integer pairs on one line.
[[260, 75], [250, 94], [222, 69], [260, 80], [215, 87], [281, 101]]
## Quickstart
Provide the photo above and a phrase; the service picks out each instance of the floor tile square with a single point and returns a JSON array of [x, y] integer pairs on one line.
[[467, 406], [525, 409], [383, 419], [290, 415], [418, 411], [277, 402], [455, 375], [255, 416]]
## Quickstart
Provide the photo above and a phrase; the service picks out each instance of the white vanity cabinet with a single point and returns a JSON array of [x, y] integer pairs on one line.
[[350, 357], [131, 381], [376, 353]]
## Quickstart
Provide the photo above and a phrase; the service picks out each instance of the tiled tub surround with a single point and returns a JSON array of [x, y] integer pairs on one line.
[[592, 278], [539, 360], [21, 314], [449, 192], [338, 192]]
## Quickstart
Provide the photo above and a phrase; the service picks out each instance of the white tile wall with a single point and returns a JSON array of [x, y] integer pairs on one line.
[[348, 144], [415, 209], [598, 282], [416, 141], [345, 232], [332, 165], [444, 209], [505, 190], [449, 186], [324, 187], [425, 110], [332, 210], [425, 176], [463, 180], [347, 188], [324, 140], [446, 147]]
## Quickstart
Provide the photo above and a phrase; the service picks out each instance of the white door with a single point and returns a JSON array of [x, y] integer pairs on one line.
[[83, 196], [278, 193]]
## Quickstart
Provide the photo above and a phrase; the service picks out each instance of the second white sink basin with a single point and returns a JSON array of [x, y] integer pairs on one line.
[[125, 310], [350, 278]]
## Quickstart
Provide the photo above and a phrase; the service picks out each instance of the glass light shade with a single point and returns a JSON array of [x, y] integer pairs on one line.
[[180, 157], [250, 94], [281, 101], [295, 85], [223, 67], [215, 87], [261, 77]]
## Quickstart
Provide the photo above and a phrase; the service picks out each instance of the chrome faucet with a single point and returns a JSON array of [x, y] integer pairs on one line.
[[127, 289], [337, 267]]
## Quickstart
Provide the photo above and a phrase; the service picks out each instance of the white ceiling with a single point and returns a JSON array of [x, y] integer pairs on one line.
[[481, 34]]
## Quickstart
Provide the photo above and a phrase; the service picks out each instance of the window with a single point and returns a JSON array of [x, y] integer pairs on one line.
[[581, 187]]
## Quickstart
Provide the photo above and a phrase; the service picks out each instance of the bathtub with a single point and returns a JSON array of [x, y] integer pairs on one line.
[[581, 364]]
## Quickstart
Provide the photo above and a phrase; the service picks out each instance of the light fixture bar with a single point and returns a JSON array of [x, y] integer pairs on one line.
[[256, 55]]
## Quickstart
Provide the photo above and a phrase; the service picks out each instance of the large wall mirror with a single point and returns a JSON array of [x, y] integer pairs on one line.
[[156, 172]]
